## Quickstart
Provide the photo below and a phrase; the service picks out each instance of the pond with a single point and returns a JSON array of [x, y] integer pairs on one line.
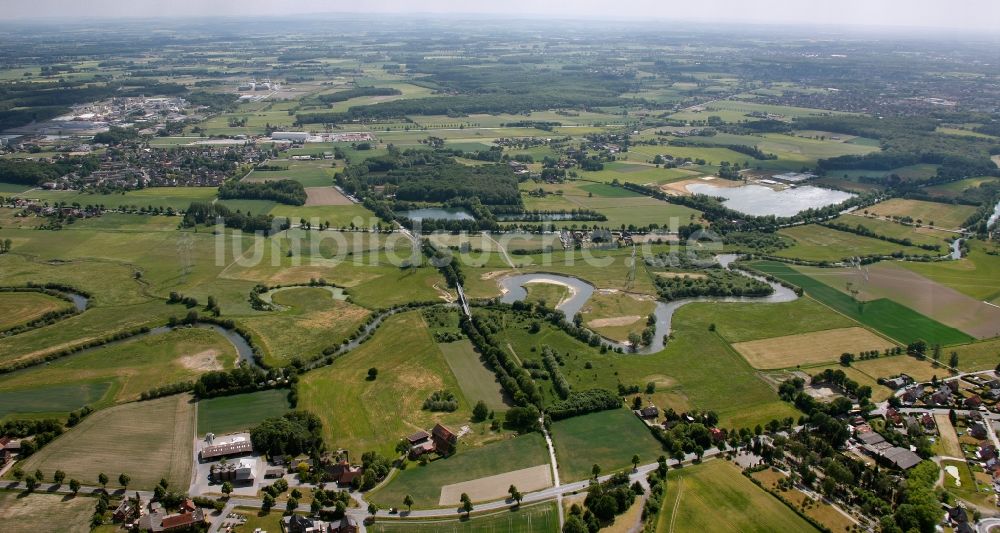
[[442, 213], [758, 200]]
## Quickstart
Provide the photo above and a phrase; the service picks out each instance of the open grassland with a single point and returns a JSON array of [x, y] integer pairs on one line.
[[607, 438], [741, 322], [887, 367], [240, 412], [18, 308], [551, 294], [312, 319], [308, 173], [892, 281], [949, 216], [918, 235], [685, 373], [21, 514], [978, 356], [817, 243], [338, 216], [617, 314], [476, 381], [50, 400], [176, 198], [715, 495], [890, 318], [111, 441], [977, 275], [965, 487], [809, 348], [361, 415], [13, 187], [956, 188], [538, 518], [257, 521], [130, 367], [424, 483]]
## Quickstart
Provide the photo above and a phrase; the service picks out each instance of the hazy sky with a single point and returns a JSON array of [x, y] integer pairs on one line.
[[972, 14]]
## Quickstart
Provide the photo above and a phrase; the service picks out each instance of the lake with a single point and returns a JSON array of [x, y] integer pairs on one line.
[[758, 200], [444, 213]]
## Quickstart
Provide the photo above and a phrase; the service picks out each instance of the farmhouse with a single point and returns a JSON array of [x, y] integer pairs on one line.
[[420, 443], [444, 439], [237, 446], [899, 382], [301, 524], [342, 472], [156, 521]]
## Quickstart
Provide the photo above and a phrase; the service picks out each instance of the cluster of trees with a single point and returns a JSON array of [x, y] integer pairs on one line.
[[116, 136], [294, 433], [552, 361], [75, 417], [583, 402], [239, 379], [37, 172], [288, 192], [514, 379], [604, 501], [716, 282], [442, 400], [343, 96], [755, 241], [203, 213], [447, 264]]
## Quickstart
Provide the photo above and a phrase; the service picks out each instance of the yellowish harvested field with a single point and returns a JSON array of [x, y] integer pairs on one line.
[[809, 348], [146, 440], [325, 196], [948, 442], [949, 216], [495, 487], [45, 512], [17, 308]]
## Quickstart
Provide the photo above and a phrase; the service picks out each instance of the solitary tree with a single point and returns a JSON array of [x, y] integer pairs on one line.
[[74, 486], [635, 461], [38, 475], [291, 504], [953, 360], [102, 478], [18, 473], [123, 479], [595, 470], [515, 494], [32, 483], [227, 488], [480, 411], [268, 503], [372, 374], [372, 509], [59, 476], [466, 504], [408, 502]]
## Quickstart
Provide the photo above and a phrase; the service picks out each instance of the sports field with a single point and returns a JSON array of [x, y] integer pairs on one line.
[[21, 514], [111, 441], [476, 381], [716, 496], [227, 414], [809, 348], [539, 518], [424, 483], [607, 438], [892, 319], [951, 216], [361, 415], [18, 308]]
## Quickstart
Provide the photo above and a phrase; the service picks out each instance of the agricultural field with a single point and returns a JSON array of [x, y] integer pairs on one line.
[[886, 316], [176, 198], [424, 483], [537, 518], [818, 243], [956, 188], [983, 355], [21, 513], [918, 234], [891, 280], [716, 493], [116, 373], [17, 308], [607, 438], [976, 275], [111, 441], [361, 415], [742, 322], [308, 173], [805, 349], [311, 319], [949, 216], [240, 412]]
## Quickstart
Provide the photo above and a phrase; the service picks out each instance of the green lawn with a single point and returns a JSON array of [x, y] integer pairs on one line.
[[476, 381], [894, 320], [818, 243], [54, 399], [983, 355], [424, 483], [227, 414], [539, 518], [717, 493], [741, 322], [607, 438], [175, 197]]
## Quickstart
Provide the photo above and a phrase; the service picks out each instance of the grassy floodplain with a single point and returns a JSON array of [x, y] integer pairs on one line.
[[239, 412], [607, 438]]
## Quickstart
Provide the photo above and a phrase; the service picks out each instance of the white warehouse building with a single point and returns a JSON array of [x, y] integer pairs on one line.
[[294, 136]]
